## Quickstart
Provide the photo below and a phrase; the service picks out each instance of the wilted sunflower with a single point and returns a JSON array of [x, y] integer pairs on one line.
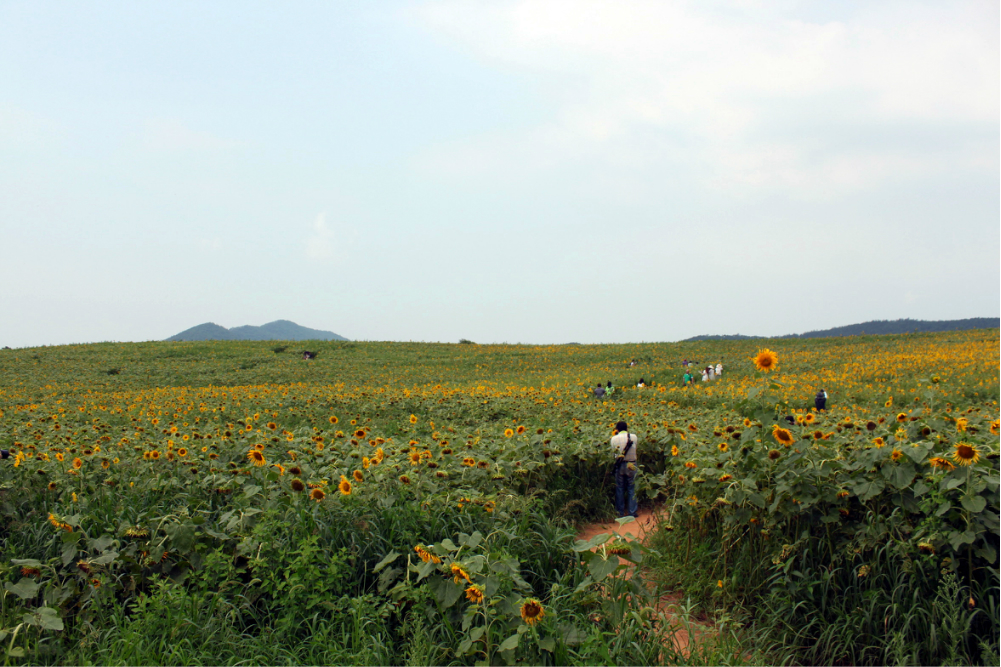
[[458, 574], [725, 478], [256, 457], [774, 454], [404, 479], [298, 486], [965, 454], [532, 611], [939, 462], [318, 494], [766, 360], [344, 486], [474, 593], [482, 465], [782, 436]]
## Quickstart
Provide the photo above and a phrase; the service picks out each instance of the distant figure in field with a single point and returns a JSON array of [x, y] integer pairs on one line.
[[719, 369], [599, 391], [632, 363], [684, 362], [687, 378], [624, 447], [820, 401], [712, 372], [609, 389], [641, 383], [705, 375]]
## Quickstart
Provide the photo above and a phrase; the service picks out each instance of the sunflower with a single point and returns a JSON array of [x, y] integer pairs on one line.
[[77, 463], [359, 477], [870, 425], [426, 555], [879, 442], [693, 428], [809, 418], [965, 454], [889, 402], [256, 457], [474, 593], [345, 486], [333, 419], [182, 452], [59, 456], [52, 486], [458, 574], [901, 416], [725, 478], [723, 446], [469, 461], [818, 435], [508, 432], [413, 419], [774, 454], [782, 436], [926, 548], [691, 464], [317, 495], [766, 360], [747, 422], [272, 425], [995, 427], [939, 462], [415, 458], [520, 430], [674, 450], [298, 486], [360, 433], [532, 611], [900, 434], [896, 455], [482, 465], [404, 479]]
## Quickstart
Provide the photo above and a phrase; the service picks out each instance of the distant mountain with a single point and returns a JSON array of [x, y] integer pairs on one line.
[[277, 330], [879, 327]]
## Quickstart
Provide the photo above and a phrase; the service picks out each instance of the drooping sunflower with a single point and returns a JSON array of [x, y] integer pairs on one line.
[[474, 593], [344, 486], [532, 611], [942, 463], [782, 436], [725, 478], [77, 463], [256, 457], [965, 454], [774, 454], [404, 479], [520, 430], [766, 360], [458, 574], [298, 486], [317, 495]]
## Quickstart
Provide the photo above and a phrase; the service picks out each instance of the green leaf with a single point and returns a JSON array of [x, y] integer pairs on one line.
[[902, 475], [451, 593], [510, 643], [602, 567], [973, 503], [449, 544], [547, 644], [24, 589], [868, 488], [477, 632], [943, 508], [921, 489], [26, 562], [251, 490], [387, 577], [390, 557], [474, 540], [464, 647], [71, 538], [49, 618]]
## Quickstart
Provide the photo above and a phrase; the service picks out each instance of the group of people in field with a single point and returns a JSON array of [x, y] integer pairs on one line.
[[709, 373]]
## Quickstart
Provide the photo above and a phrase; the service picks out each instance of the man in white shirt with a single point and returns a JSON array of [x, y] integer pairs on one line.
[[624, 446]]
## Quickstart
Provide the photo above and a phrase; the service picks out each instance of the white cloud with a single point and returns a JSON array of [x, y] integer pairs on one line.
[[320, 246], [724, 78]]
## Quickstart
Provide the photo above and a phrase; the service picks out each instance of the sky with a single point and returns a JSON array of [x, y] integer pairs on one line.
[[521, 172]]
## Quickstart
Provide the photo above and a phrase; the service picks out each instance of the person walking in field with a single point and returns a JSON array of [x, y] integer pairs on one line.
[[705, 375], [609, 389], [820, 400], [599, 391], [712, 372], [687, 378], [624, 447], [719, 369]]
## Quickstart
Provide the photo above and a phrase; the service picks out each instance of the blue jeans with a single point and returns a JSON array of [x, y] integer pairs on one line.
[[625, 491]]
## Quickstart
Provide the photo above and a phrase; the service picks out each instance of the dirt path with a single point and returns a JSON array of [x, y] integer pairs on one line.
[[669, 605]]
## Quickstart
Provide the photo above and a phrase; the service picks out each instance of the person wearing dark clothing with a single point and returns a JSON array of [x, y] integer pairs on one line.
[[4, 453], [599, 391], [820, 401]]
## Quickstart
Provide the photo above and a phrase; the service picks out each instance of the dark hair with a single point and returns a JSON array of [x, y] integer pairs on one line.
[[622, 427], [609, 383]]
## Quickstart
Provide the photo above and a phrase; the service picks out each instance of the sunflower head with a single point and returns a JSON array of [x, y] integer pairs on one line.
[[359, 477], [774, 454], [941, 463], [474, 593], [782, 436], [723, 446], [532, 611], [344, 486], [256, 457], [520, 430], [317, 494], [965, 454], [896, 455], [879, 442], [508, 432], [458, 574], [674, 450], [298, 486], [766, 360]]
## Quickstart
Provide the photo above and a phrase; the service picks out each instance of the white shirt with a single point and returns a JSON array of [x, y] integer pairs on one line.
[[618, 443], [705, 376], [719, 369]]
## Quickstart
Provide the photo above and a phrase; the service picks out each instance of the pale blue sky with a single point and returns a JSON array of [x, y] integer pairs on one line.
[[507, 171]]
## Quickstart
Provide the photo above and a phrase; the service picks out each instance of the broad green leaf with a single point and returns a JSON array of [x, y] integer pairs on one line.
[[510, 643], [973, 503], [390, 557], [547, 644], [477, 632], [24, 589], [601, 567], [449, 544], [867, 489], [921, 488]]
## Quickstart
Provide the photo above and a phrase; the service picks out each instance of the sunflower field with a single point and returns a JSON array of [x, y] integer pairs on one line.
[[409, 503]]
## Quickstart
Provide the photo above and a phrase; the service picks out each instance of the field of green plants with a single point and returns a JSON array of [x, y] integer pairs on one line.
[[405, 503]]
